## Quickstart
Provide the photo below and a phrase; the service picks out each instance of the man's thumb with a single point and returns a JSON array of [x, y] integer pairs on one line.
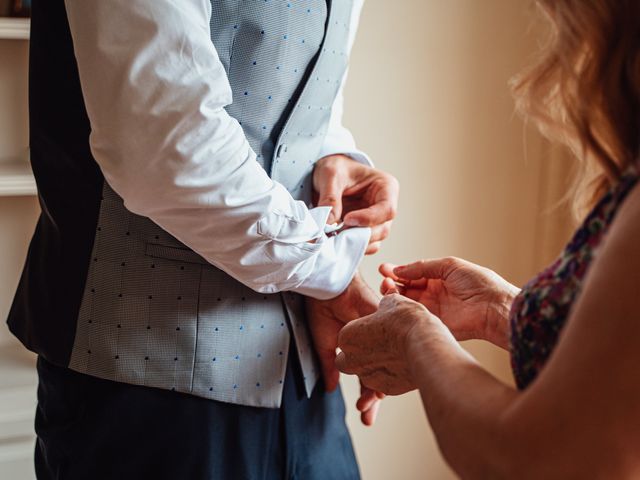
[[331, 196], [330, 372]]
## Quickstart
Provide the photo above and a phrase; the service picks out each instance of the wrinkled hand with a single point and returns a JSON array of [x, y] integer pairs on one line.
[[326, 319], [360, 195], [380, 348], [472, 301]]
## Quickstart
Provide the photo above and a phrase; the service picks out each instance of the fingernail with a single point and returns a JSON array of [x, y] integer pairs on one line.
[[351, 222]]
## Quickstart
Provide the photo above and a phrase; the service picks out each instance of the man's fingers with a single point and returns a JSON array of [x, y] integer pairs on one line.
[[330, 180], [367, 398], [330, 195], [439, 269], [380, 232], [377, 214], [373, 248], [330, 372], [385, 190], [368, 417], [368, 404], [343, 365], [369, 401]]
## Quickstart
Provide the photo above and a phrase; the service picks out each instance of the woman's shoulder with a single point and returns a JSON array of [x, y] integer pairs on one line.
[[627, 215]]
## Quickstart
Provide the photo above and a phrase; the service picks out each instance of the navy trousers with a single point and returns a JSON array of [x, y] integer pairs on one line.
[[93, 429]]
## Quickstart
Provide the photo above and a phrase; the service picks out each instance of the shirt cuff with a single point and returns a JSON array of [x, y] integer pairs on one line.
[[336, 264], [338, 148], [360, 157]]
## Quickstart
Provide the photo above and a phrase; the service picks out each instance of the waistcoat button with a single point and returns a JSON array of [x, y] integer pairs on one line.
[[282, 148]]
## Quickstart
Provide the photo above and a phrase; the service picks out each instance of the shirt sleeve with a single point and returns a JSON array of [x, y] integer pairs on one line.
[[155, 93], [339, 139]]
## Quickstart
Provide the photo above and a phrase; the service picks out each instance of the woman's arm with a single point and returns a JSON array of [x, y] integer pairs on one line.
[[579, 419]]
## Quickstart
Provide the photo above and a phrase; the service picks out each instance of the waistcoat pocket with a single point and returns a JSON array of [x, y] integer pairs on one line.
[[166, 252]]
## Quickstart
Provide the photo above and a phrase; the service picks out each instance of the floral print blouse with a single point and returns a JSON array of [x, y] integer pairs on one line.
[[542, 308]]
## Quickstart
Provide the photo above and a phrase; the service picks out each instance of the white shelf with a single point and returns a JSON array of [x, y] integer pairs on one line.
[[15, 28], [16, 178], [18, 382], [18, 385]]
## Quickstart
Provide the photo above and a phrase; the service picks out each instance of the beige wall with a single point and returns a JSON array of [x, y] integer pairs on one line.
[[17, 214], [17, 220], [428, 99]]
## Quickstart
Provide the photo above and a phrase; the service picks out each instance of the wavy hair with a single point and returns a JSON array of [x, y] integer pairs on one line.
[[585, 88]]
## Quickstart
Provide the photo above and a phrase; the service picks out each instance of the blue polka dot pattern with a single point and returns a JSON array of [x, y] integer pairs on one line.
[[155, 313]]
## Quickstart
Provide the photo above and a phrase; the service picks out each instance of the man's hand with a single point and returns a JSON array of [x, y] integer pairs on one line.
[[360, 195], [326, 319]]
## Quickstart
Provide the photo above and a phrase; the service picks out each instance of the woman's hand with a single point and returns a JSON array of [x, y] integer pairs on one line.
[[381, 348], [472, 301]]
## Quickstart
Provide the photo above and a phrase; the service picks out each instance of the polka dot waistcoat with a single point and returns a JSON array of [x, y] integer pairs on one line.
[[154, 312]]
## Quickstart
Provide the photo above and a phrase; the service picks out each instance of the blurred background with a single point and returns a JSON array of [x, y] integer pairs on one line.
[[428, 99]]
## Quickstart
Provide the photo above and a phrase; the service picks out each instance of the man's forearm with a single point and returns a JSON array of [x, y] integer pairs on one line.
[[150, 67]]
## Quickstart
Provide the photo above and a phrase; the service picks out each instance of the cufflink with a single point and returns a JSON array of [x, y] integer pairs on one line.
[[333, 229]]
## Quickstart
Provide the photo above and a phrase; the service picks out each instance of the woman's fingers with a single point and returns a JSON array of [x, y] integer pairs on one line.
[[389, 283], [438, 268], [389, 286], [386, 270], [416, 293]]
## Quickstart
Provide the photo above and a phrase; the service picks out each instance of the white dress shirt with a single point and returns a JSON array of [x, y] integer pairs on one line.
[[155, 92]]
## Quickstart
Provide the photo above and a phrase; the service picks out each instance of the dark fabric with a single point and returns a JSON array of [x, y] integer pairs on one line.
[[90, 428], [541, 310], [45, 309]]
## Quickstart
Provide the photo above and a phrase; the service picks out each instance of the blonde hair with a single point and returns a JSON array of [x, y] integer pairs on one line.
[[585, 88]]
